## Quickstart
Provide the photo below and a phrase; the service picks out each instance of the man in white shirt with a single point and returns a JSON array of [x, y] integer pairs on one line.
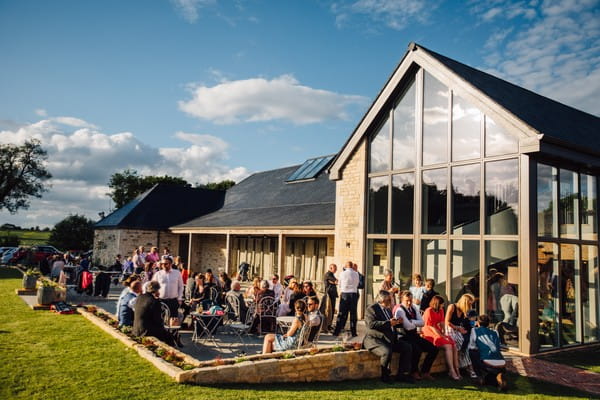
[[171, 285], [276, 286], [348, 285]]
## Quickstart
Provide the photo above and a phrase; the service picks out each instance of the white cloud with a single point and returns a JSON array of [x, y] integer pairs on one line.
[[81, 161], [556, 53], [189, 8], [260, 99], [41, 112], [74, 122], [395, 14]]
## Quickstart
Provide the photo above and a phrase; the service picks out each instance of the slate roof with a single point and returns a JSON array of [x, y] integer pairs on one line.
[[163, 206], [264, 199], [551, 118]]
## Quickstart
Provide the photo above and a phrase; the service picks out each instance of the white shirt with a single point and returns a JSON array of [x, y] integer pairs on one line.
[[171, 284], [314, 318], [276, 288], [406, 323], [348, 282]]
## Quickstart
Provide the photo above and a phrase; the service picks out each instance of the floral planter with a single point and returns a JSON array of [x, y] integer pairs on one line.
[[29, 281], [46, 295]]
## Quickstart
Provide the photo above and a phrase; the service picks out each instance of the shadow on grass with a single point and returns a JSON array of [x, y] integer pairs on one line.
[[7, 272]]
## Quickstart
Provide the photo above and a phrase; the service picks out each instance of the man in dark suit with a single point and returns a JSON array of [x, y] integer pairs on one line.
[[382, 338], [147, 320]]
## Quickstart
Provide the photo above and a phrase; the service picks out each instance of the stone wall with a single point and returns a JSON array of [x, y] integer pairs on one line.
[[208, 251], [350, 210], [110, 242]]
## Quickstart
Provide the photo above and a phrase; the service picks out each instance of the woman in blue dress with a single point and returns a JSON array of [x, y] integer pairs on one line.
[[290, 339]]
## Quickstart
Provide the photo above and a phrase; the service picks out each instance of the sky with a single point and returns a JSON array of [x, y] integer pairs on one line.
[[211, 90]]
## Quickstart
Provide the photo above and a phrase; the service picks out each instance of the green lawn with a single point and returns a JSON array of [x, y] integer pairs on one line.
[[588, 358], [28, 238], [48, 356]]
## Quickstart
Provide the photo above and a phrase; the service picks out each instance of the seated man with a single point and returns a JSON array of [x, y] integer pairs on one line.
[[236, 291], [127, 303], [382, 338], [315, 318], [484, 350]]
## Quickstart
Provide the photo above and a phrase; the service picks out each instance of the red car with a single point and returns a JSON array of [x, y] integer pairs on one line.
[[34, 254]]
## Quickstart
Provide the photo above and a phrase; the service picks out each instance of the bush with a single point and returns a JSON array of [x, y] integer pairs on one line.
[[9, 241]]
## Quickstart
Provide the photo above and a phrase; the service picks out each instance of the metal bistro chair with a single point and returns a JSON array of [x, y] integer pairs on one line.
[[234, 323], [215, 296], [165, 314], [309, 336], [266, 310]]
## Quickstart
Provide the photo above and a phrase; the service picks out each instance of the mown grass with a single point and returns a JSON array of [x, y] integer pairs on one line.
[[27, 238], [48, 356], [588, 358]]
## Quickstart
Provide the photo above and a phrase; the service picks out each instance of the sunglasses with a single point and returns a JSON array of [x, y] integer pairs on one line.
[[311, 304]]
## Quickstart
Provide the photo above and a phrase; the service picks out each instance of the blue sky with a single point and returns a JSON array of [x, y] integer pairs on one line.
[[211, 90]]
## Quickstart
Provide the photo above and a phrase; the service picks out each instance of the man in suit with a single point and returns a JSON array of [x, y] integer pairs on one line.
[[147, 320], [382, 338]]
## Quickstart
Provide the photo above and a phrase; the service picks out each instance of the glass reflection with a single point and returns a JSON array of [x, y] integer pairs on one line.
[[502, 289], [589, 210], [547, 259], [402, 254], [379, 153], [502, 197], [435, 121], [433, 263], [547, 193], [466, 127], [403, 189], [589, 293], [567, 207], [569, 323], [378, 204], [466, 188], [377, 263], [435, 187], [404, 151], [465, 270], [497, 140]]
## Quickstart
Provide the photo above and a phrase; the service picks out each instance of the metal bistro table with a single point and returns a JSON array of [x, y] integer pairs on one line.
[[205, 327]]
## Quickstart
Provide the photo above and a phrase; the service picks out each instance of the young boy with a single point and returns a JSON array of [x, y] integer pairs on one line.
[[484, 350], [427, 295]]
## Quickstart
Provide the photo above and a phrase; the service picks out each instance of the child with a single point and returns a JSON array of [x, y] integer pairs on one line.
[[484, 350]]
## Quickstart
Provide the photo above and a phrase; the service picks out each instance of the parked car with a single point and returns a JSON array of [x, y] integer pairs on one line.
[[40, 252], [8, 255], [5, 249]]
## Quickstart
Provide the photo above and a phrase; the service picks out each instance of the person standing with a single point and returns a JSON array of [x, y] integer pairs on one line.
[[171, 285], [382, 339], [331, 295], [147, 320], [348, 300]]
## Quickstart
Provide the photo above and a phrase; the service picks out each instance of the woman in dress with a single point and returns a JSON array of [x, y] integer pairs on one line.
[[458, 328], [297, 294], [288, 341], [434, 331]]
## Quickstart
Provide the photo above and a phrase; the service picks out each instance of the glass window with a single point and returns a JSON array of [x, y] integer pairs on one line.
[[547, 195], [404, 130], [502, 197], [497, 140], [379, 156], [502, 287], [433, 263], [435, 121], [378, 204], [465, 270], [547, 259], [567, 206], [402, 262], [403, 190], [435, 186], [466, 189], [569, 326], [589, 293], [589, 210], [377, 263], [466, 128]]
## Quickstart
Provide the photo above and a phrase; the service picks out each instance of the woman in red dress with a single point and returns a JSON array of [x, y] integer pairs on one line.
[[435, 332]]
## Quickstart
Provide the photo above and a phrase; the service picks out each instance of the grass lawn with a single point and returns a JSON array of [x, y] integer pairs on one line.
[[48, 356], [588, 358], [28, 238]]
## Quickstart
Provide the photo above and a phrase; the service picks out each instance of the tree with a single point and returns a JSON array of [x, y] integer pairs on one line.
[[223, 185], [22, 174], [127, 185], [75, 232]]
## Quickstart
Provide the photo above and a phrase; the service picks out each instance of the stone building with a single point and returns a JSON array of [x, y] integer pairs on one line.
[[145, 221], [279, 221], [484, 186]]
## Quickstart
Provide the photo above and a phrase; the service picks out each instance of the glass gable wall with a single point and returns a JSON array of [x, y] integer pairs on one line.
[[567, 257], [442, 152]]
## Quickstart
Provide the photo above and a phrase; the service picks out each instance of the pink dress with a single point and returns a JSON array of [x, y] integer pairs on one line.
[[431, 319]]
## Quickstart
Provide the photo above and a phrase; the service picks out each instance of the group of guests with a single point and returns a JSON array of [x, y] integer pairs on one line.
[[466, 339]]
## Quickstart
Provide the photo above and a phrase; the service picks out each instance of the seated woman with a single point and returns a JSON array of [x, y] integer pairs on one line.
[[434, 332], [253, 290], [297, 294], [308, 289], [458, 328], [288, 341]]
